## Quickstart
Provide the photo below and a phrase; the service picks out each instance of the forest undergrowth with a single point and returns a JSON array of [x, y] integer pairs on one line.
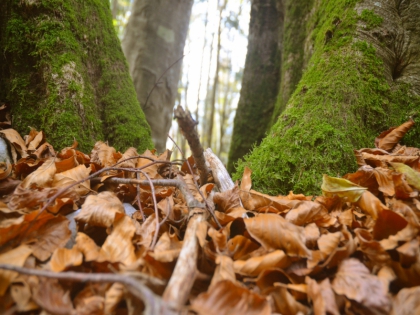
[[126, 233]]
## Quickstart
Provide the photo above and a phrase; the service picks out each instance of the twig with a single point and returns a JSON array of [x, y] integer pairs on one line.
[[209, 209], [153, 303], [187, 125], [185, 272]]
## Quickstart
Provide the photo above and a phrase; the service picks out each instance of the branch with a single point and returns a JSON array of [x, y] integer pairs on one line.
[[153, 303], [185, 272], [187, 125]]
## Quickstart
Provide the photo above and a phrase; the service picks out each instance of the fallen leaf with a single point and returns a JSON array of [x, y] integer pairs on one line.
[[118, 246], [101, 210], [255, 265], [227, 298], [341, 187], [388, 139], [354, 281], [63, 258], [15, 257], [274, 232]]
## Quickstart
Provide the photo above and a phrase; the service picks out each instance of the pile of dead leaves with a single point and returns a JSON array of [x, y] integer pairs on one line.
[[112, 233]]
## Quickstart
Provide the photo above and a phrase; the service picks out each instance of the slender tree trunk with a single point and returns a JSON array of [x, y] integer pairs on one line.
[[362, 78], [261, 79], [154, 41], [224, 111], [206, 21], [206, 121], [216, 77], [62, 71]]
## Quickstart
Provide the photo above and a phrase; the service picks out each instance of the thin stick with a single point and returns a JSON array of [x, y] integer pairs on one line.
[[187, 125], [138, 288]]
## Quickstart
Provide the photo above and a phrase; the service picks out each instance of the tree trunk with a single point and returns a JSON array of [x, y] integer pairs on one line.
[[154, 40], [216, 78], [261, 79], [362, 78], [62, 71]]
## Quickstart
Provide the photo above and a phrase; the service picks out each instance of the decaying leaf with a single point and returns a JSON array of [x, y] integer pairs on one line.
[[227, 298]]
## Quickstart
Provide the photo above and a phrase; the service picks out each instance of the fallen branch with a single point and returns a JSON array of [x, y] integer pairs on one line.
[[187, 125], [179, 286], [153, 303]]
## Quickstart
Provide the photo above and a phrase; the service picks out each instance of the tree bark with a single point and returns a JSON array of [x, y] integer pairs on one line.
[[363, 77], [261, 78], [62, 71], [154, 40]]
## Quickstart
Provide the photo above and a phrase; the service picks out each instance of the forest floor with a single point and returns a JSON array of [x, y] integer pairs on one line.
[[124, 233]]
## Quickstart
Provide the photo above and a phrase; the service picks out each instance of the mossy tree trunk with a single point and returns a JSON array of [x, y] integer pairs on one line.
[[261, 78], [153, 44], [62, 71], [363, 77]]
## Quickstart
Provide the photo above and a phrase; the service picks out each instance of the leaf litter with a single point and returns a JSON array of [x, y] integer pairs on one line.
[[124, 233]]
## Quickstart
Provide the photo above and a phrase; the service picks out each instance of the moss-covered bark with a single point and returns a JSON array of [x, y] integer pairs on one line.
[[63, 71], [260, 83], [297, 49], [362, 78]]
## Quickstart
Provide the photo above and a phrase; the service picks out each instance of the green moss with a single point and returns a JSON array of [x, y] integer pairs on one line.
[[67, 75], [372, 20], [341, 103]]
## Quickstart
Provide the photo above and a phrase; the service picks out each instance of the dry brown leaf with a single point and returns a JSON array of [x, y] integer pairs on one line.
[[87, 246], [16, 141], [371, 248], [274, 232], [239, 247], [285, 303], [72, 176], [328, 243], [228, 199], [50, 295], [307, 212], [246, 182], [101, 210], [103, 154], [50, 234], [388, 139], [407, 302], [354, 281], [409, 252], [37, 139], [42, 177], [63, 258], [388, 223], [383, 160], [224, 270], [118, 246], [15, 257], [375, 179], [167, 248], [312, 234], [322, 297], [152, 170], [66, 164], [113, 297], [22, 295], [227, 298], [402, 188], [219, 238], [130, 153], [370, 205], [255, 265]]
